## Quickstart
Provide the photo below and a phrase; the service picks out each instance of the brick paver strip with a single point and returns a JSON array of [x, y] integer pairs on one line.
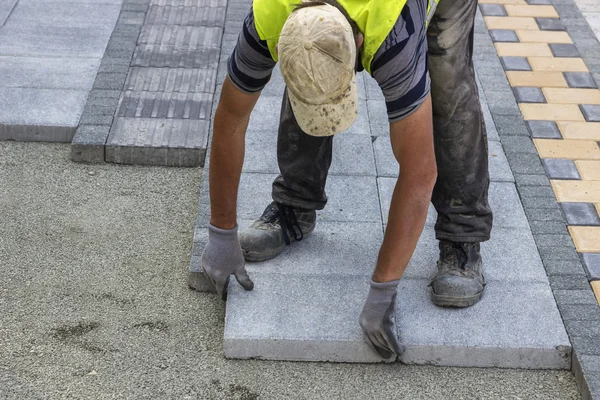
[[169, 52], [563, 267]]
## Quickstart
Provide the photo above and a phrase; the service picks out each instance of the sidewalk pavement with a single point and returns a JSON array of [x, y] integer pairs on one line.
[[143, 99]]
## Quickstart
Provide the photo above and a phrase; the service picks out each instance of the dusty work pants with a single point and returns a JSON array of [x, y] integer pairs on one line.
[[460, 195]]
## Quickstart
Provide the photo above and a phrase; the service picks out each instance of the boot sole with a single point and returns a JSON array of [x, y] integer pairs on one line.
[[456, 302]]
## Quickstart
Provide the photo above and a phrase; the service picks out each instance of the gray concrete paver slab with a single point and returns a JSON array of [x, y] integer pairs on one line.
[[48, 72]]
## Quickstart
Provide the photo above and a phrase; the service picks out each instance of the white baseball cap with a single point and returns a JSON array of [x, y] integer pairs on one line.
[[317, 55]]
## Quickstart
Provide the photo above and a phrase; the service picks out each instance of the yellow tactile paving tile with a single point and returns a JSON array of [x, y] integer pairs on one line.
[[586, 238], [572, 149], [571, 96], [579, 130], [551, 112], [589, 170], [536, 79], [511, 23], [562, 64], [523, 49], [531, 11], [543, 37], [576, 190], [596, 289]]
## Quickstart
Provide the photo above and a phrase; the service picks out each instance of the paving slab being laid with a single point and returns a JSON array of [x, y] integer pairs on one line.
[[306, 302], [50, 52]]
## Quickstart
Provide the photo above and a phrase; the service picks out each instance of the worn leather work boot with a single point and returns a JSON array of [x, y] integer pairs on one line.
[[278, 226], [459, 281]]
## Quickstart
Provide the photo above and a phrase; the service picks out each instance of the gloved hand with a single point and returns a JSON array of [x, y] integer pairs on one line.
[[378, 322], [222, 257]]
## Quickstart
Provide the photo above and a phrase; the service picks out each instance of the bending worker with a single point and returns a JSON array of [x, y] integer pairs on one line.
[[421, 57]]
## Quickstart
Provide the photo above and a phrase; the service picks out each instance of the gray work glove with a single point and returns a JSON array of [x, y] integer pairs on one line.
[[222, 257], [378, 321]]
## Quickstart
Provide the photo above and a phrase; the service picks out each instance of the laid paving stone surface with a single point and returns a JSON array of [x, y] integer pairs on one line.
[[306, 301], [165, 108], [50, 53]]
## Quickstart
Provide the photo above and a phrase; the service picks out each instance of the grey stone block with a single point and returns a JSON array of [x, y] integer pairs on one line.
[[386, 162], [171, 80], [556, 253], [91, 16], [358, 242], [378, 118], [161, 56], [538, 2], [575, 297], [372, 87], [40, 114], [134, 7], [502, 102], [544, 129], [498, 165], [91, 119], [48, 72], [301, 325], [591, 112], [529, 95], [579, 80], [541, 227], [165, 105], [539, 202], [88, 144], [556, 267], [509, 256], [182, 37], [510, 125], [550, 24], [569, 282], [525, 163], [580, 213], [114, 68], [168, 142], [261, 151], [489, 10], [503, 35], [515, 63], [490, 127], [194, 16], [518, 144], [564, 50], [591, 261], [536, 191], [131, 17], [554, 240], [531, 180], [580, 312], [558, 168], [352, 155], [6, 8], [109, 81], [54, 41]]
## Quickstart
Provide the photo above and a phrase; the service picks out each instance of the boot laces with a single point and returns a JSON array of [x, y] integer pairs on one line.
[[459, 259], [286, 217]]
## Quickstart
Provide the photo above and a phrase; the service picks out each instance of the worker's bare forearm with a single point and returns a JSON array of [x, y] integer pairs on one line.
[[412, 143], [227, 154], [407, 215]]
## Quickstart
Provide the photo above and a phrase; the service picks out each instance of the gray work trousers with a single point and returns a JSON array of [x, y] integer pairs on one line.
[[460, 195]]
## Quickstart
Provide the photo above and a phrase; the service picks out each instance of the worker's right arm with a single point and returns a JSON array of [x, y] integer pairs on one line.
[[222, 255]]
